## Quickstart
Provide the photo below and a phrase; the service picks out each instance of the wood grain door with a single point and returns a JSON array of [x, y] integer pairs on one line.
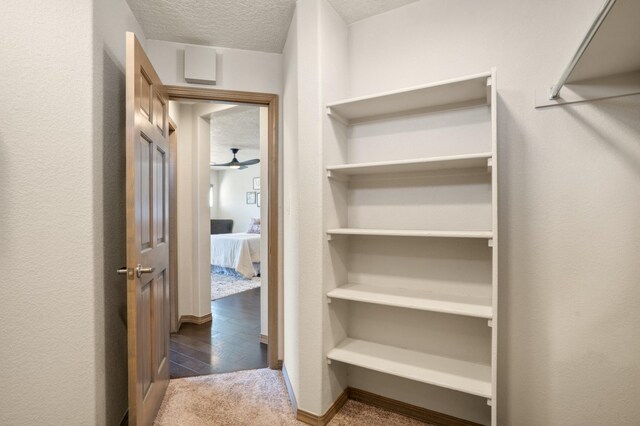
[[147, 185]]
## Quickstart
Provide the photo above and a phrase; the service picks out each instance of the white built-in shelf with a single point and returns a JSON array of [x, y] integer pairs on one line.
[[410, 233], [448, 373], [453, 162], [450, 94], [415, 299]]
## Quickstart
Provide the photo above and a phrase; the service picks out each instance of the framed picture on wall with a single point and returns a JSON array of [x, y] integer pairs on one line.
[[258, 200], [251, 197], [256, 183]]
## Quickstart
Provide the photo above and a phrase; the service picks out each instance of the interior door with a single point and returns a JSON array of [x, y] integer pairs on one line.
[[147, 185]]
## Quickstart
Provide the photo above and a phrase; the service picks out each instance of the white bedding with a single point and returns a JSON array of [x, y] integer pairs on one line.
[[237, 251]]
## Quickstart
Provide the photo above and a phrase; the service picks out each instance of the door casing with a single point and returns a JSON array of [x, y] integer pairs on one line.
[[271, 101]]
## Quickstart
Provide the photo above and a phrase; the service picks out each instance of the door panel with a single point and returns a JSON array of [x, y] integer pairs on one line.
[[147, 240], [160, 179], [144, 194]]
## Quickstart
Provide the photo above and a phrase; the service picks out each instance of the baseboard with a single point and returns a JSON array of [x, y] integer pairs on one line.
[[409, 410], [292, 396], [125, 419], [192, 319], [264, 339], [315, 420], [393, 405]]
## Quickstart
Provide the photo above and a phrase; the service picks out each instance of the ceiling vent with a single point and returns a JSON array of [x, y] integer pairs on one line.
[[200, 65]]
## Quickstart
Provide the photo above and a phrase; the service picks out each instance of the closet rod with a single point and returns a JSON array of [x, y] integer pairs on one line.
[[595, 25]]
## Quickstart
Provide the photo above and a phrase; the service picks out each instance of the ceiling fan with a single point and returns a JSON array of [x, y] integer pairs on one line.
[[235, 164]]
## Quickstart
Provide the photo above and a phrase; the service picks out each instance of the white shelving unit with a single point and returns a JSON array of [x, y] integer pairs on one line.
[[448, 297]]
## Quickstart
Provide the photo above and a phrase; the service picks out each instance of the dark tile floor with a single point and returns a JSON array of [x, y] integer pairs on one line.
[[231, 342]]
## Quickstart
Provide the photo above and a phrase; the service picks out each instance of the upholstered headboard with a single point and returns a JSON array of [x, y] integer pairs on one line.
[[221, 226]]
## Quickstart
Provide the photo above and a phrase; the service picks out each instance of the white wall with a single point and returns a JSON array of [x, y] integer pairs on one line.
[[187, 259], [238, 70], [192, 190], [291, 266], [245, 70], [568, 200], [264, 219], [214, 179], [305, 360], [63, 340], [48, 315]]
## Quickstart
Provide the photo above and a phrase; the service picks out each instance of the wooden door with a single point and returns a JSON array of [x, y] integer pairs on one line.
[[147, 185]]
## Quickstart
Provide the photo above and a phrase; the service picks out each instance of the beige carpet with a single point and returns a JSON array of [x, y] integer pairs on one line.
[[252, 397]]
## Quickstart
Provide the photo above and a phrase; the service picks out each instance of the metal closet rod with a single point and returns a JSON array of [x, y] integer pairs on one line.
[[595, 25]]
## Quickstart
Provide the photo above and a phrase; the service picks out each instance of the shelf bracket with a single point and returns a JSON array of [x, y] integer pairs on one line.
[[335, 116], [489, 165], [490, 323], [329, 299], [490, 242], [340, 177], [329, 361], [489, 83], [489, 402]]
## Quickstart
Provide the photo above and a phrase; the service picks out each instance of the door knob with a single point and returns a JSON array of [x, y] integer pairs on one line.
[[140, 270]]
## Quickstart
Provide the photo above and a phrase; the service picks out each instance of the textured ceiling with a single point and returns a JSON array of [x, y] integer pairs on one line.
[[355, 10], [240, 24], [237, 127]]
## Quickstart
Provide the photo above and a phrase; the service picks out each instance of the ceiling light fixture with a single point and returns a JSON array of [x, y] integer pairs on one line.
[[235, 164]]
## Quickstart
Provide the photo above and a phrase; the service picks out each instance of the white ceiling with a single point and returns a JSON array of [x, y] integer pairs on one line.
[[236, 127], [355, 10], [241, 24]]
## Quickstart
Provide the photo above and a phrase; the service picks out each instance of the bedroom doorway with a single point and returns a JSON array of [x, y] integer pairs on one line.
[[225, 233]]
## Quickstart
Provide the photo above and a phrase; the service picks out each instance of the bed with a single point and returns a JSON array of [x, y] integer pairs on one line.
[[239, 252]]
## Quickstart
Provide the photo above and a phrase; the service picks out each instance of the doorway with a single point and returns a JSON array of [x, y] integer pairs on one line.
[[223, 340]]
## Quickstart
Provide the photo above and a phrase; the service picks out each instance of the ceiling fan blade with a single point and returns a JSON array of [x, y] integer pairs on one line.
[[221, 164], [250, 162]]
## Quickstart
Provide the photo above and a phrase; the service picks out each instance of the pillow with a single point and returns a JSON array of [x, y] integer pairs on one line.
[[254, 228]]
